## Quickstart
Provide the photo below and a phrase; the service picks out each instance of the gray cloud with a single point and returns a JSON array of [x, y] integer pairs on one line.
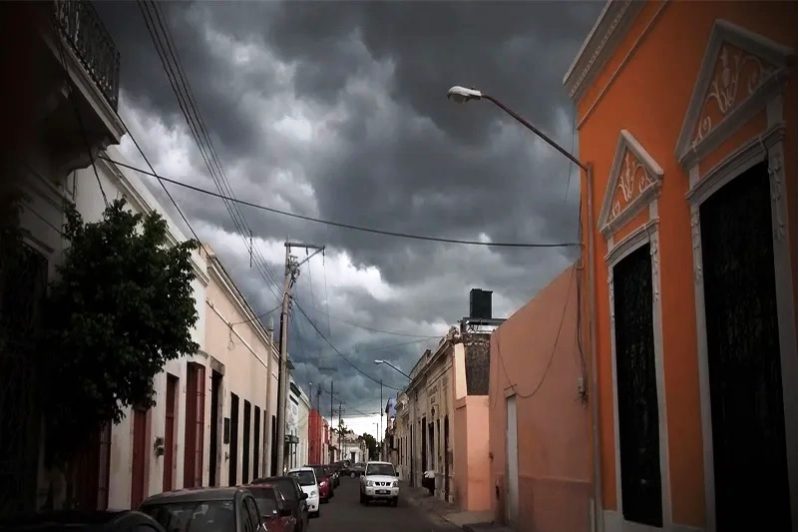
[[338, 110]]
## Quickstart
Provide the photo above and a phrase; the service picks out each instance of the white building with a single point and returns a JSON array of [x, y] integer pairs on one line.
[[297, 440]]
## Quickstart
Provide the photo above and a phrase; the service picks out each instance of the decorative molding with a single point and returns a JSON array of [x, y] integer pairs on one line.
[[631, 242], [747, 155], [697, 247], [741, 71], [597, 48], [777, 188], [634, 182]]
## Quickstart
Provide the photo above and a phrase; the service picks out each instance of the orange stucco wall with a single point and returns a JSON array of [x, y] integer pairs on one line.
[[649, 97], [472, 453], [553, 431]]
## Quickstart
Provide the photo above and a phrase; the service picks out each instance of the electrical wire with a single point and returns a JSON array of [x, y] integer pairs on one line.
[[257, 316], [336, 350], [353, 227]]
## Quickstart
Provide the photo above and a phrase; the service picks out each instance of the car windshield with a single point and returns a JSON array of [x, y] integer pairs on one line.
[[380, 469], [320, 471], [194, 516], [266, 499], [305, 477]]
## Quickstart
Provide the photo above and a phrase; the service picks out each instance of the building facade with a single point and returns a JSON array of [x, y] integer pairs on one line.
[[539, 428], [297, 427], [690, 216], [444, 419]]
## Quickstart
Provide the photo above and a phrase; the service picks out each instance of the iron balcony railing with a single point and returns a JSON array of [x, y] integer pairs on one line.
[[82, 28]]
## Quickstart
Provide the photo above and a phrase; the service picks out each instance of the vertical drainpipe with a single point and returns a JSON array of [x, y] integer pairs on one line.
[[599, 525]]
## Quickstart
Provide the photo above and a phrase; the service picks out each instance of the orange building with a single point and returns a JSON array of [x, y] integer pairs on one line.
[[539, 431], [687, 116]]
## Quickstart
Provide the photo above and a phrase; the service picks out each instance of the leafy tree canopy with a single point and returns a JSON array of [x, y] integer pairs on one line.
[[120, 308]]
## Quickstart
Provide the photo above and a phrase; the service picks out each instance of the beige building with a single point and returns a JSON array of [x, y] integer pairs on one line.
[[442, 420]]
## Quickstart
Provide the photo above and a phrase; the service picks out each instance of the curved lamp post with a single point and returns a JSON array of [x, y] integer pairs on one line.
[[460, 94]]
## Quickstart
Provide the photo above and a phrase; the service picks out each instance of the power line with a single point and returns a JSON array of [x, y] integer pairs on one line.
[[257, 316], [336, 350], [353, 227]]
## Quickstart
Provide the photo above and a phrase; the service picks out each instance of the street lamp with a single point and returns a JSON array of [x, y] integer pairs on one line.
[[461, 95], [401, 372]]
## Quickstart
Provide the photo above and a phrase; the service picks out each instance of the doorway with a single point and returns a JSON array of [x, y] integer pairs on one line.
[[447, 458], [512, 464], [213, 471], [246, 444], [751, 476], [195, 425], [637, 396], [139, 459], [169, 434], [233, 464]]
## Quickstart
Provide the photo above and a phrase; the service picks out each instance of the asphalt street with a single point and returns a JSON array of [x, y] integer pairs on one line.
[[345, 513]]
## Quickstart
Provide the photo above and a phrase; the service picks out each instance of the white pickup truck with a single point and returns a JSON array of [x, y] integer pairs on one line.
[[379, 482]]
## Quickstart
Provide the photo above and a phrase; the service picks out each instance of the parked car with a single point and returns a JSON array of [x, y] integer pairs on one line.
[[101, 521], [379, 483], [333, 473], [276, 513], [356, 470], [294, 497], [324, 481], [207, 509], [308, 483]]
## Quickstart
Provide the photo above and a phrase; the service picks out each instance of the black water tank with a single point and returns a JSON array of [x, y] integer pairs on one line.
[[480, 304]]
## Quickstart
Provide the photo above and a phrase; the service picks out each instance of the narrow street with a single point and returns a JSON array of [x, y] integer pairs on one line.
[[345, 513]]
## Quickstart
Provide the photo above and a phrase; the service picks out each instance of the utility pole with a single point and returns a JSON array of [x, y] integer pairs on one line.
[[340, 430], [381, 431], [292, 270]]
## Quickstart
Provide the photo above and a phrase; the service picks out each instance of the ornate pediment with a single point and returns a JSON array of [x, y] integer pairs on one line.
[[635, 179], [740, 71]]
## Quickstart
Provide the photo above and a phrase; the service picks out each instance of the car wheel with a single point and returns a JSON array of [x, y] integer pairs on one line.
[[314, 515], [395, 501], [361, 497]]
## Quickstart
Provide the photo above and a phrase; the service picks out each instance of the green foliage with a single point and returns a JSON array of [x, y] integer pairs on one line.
[[121, 307], [372, 445]]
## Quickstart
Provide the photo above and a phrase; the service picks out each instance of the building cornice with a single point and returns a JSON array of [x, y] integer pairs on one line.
[[605, 35], [218, 273]]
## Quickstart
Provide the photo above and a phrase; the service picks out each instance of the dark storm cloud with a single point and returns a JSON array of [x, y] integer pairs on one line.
[[388, 150]]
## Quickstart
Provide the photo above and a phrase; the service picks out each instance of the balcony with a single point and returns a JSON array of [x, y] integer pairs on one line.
[[82, 28]]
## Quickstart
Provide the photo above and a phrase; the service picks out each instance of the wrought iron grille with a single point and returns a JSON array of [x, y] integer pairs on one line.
[[84, 31], [640, 464], [751, 475], [22, 290]]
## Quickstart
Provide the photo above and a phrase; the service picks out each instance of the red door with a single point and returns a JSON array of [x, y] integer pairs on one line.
[[169, 433], [138, 476], [195, 422]]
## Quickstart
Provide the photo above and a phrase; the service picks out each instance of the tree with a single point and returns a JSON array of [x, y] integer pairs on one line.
[[372, 445], [121, 307]]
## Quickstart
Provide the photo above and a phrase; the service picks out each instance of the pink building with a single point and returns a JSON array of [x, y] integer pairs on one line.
[[539, 429]]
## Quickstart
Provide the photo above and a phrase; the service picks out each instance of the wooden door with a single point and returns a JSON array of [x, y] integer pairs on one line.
[[195, 423], [139, 460], [233, 464], [169, 433]]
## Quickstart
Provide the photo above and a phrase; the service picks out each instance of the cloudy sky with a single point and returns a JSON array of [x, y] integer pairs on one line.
[[337, 110]]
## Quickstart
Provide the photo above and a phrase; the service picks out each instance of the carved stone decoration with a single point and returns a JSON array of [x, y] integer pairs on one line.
[[740, 73], [633, 180], [633, 183], [697, 252], [776, 189], [654, 263], [737, 76]]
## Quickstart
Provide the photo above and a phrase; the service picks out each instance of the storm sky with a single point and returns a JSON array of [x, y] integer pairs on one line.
[[337, 110]]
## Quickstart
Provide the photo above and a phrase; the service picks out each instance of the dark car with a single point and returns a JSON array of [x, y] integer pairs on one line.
[[333, 473], [105, 521], [205, 510], [275, 510], [324, 482], [293, 496], [356, 470]]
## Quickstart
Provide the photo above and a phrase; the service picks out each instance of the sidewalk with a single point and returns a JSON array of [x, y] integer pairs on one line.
[[469, 521]]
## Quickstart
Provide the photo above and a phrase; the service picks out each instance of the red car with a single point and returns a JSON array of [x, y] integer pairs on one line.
[[324, 482], [275, 510]]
